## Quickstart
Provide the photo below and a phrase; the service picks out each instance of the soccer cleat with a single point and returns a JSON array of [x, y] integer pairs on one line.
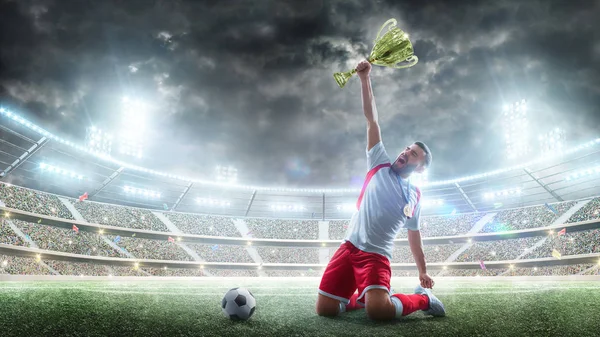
[[436, 308]]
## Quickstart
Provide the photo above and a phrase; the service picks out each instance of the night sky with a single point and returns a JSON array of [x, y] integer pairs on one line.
[[249, 83]]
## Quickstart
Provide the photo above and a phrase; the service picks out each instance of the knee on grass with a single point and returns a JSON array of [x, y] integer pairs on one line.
[[328, 307], [328, 310]]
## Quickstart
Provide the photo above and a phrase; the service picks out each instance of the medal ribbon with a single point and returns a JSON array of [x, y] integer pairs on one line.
[[405, 196]]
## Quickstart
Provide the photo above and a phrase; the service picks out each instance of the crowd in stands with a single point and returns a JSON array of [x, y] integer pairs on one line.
[[583, 242], [127, 271], [170, 272], [33, 201], [283, 229], [8, 236], [591, 211], [431, 226], [447, 225], [528, 217], [497, 250], [203, 224], [294, 273], [119, 216], [549, 271], [338, 229], [16, 265], [592, 271], [87, 243], [151, 249], [433, 253], [471, 272], [232, 273], [77, 268], [405, 273], [288, 255], [66, 240], [221, 253]]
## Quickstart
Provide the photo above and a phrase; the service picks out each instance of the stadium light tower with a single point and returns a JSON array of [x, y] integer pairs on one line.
[[133, 128], [226, 174], [98, 141], [516, 129], [552, 142]]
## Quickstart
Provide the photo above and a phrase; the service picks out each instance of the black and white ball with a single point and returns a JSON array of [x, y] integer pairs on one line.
[[238, 304]]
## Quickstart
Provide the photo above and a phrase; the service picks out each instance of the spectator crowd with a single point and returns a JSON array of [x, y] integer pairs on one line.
[[283, 229], [200, 224], [94, 244], [528, 217]]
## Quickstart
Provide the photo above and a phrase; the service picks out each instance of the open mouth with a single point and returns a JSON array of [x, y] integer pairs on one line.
[[402, 160]]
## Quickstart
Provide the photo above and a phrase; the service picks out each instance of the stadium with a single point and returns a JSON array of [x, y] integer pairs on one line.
[[115, 222], [496, 226]]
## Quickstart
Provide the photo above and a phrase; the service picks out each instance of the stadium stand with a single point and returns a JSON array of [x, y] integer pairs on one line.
[[8, 236], [203, 224], [91, 244], [68, 241], [33, 201], [77, 268], [283, 229], [497, 250], [222, 253], [472, 272], [549, 271], [288, 255], [590, 211], [15, 265], [524, 218], [152, 249], [433, 253], [119, 216]]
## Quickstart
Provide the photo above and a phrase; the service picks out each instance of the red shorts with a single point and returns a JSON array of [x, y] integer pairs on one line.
[[350, 269]]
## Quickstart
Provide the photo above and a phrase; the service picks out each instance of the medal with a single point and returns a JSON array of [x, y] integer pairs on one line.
[[407, 211]]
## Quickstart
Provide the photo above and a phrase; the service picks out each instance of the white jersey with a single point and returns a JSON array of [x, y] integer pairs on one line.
[[381, 206]]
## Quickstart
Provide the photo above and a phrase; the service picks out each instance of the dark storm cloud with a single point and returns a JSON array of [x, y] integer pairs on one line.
[[249, 83]]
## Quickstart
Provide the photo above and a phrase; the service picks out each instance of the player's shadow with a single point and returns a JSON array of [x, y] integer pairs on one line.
[[359, 317]]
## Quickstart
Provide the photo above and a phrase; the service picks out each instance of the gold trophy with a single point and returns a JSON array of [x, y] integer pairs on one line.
[[393, 50]]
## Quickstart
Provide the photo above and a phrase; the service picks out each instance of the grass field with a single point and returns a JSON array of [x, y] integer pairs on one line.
[[285, 307]]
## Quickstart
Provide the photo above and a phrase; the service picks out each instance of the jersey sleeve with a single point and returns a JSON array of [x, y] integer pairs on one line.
[[414, 223], [377, 156]]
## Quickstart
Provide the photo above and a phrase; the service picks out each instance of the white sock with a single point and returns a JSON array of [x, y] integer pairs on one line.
[[342, 308], [399, 307]]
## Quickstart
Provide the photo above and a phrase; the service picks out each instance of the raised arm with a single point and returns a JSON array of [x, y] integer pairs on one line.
[[368, 101]]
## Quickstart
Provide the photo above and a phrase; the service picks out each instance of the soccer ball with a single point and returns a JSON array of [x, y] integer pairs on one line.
[[238, 304]]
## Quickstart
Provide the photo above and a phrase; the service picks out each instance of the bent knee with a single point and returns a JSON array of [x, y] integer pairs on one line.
[[327, 311], [327, 306]]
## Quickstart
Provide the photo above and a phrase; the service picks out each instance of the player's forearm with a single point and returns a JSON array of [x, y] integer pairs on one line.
[[416, 247], [368, 100], [420, 260]]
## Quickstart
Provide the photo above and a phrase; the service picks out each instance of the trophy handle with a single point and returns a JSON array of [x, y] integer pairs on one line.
[[409, 62], [393, 22]]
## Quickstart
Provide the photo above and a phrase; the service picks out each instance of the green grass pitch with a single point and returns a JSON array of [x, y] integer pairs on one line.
[[285, 307]]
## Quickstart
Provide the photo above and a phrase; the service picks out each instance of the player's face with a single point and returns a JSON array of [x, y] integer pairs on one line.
[[410, 160]]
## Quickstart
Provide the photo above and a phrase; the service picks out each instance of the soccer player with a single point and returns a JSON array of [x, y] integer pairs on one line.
[[387, 203]]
